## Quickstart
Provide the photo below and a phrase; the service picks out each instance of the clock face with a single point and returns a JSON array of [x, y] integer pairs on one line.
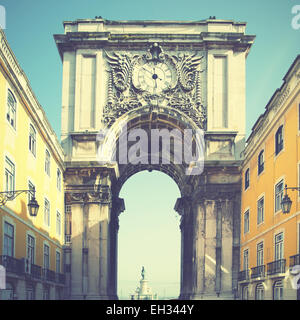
[[153, 77]]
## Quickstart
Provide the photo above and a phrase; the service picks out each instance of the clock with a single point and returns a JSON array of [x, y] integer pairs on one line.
[[154, 77]]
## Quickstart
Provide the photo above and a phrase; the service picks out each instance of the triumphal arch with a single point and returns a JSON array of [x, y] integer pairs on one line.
[[123, 82]]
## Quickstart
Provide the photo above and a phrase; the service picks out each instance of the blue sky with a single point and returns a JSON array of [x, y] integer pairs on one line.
[[30, 25]]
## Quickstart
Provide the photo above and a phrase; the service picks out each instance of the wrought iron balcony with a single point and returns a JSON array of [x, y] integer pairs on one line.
[[276, 267], [60, 278], [23, 267], [243, 275], [295, 260], [258, 272], [48, 275], [12, 264]]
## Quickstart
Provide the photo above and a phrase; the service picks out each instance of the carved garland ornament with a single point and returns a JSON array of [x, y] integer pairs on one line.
[[137, 80]]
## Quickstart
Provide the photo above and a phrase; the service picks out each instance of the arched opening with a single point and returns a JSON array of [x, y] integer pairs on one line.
[[149, 235]]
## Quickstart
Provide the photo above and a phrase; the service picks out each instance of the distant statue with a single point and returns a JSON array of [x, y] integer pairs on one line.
[[143, 273]]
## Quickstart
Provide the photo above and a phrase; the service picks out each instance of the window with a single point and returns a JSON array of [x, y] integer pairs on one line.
[[30, 248], [245, 293], [46, 257], [46, 293], [259, 292], [30, 295], [260, 162], [260, 254], [47, 163], [68, 224], [247, 179], [58, 179], [32, 140], [9, 175], [278, 290], [279, 140], [57, 259], [8, 240], [11, 109], [47, 213], [246, 259], [278, 195], [246, 221], [31, 187], [279, 246], [260, 210], [58, 223], [8, 293]]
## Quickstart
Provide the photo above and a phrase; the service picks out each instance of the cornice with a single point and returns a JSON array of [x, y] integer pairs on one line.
[[29, 100], [276, 107], [136, 41]]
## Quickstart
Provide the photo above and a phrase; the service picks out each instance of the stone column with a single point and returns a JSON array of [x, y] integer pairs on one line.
[[192, 248], [118, 206], [90, 243]]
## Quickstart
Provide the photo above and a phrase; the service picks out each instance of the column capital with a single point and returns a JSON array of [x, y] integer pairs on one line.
[[86, 194]]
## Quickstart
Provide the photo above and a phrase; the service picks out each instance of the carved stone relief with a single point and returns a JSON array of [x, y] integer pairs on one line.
[[175, 83]]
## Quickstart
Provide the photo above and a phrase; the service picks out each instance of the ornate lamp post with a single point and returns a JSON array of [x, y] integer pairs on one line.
[[33, 205], [286, 202]]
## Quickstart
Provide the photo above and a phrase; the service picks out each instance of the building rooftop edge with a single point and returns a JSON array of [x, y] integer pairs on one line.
[[107, 21]]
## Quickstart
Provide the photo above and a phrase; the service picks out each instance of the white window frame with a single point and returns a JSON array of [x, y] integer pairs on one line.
[[248, 221], [10, 174], [260, 210], [11, 238], [278, 290], [47, 162], [278, 255], [11, 109], [46, 258], [58, 179], [58, 223], [58, 270], [246, 259], [47, 212], [32, 139], [276, 209], [260, 254], [31, 256]]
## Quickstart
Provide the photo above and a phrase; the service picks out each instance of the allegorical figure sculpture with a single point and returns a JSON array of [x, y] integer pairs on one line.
[[143, 273]]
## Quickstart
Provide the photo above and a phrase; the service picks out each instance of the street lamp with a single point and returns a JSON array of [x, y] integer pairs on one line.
[[286, 202], [33, 205]]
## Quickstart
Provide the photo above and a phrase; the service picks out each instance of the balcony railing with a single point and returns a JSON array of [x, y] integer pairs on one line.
[[12, 264], [49, 275], [243, 275], [59, 278], [257, 272], [23, 267], [276, 267], [295, 260]]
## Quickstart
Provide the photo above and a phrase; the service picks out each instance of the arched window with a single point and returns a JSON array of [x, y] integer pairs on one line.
[[30, 294], [11, 109], [261, 162], [32, 140], [247, 179], [279, 140], [245, 293], [259, 292], [278, 290]]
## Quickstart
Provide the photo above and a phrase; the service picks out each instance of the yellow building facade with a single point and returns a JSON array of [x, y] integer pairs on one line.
[[31, 248], [270, 239]]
